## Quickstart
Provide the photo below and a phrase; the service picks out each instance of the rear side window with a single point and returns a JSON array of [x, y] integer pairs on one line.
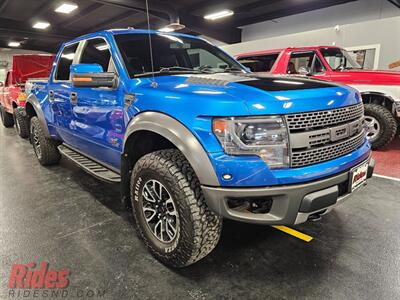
[[307, 60], [96, 52], [259, 63], [65, 62]]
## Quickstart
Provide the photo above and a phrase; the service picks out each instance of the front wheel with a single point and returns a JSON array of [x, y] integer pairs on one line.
[[21, 123], [170, 211], [381, 125], [45, 149]]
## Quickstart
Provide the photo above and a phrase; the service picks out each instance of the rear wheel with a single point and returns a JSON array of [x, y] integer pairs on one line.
[[45, 149], [381, 125], [6, 118], [21, 122], [171, 215]]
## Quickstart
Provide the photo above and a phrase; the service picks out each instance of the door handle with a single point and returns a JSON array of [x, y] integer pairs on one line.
[[73, 97], [51, 96]]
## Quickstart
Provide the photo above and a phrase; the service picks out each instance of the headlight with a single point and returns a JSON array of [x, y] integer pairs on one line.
[[266, 137]]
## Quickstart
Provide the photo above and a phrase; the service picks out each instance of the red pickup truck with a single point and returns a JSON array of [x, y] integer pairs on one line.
[[12, 91], [380, 90]]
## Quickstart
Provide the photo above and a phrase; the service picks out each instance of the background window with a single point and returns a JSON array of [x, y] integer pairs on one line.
[[96, 52], [308, 60], [65, 62], [259, 63]]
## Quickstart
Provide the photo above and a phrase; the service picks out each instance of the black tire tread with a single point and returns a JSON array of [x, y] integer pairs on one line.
[[23, 123], [207, 225], [7, 118], [50, 153], [389, 124]]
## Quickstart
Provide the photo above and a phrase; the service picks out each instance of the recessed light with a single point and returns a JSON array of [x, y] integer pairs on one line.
[[102, 47], [218, 15], [14, 44], [41, 25], [66, 8], [166, 29]]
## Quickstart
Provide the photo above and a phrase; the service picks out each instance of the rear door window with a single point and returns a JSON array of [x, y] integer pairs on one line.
[[259, 63], [65, 62]]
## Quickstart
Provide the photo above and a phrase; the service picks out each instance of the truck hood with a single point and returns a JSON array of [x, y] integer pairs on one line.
[[241, 94], [379, 77]]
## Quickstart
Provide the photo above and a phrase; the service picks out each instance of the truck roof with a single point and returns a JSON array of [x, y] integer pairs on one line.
[[126, 31], [271, 51]]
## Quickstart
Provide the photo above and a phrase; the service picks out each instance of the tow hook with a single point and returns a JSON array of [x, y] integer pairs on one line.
[[315, 217]]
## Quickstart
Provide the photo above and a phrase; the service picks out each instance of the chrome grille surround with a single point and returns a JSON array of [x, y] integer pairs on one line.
[[323, 118], [320, 136]]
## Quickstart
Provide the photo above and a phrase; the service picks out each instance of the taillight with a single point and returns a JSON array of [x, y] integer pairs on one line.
[[22, 97]]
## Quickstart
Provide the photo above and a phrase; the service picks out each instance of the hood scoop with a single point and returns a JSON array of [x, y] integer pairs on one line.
[[222, 79]]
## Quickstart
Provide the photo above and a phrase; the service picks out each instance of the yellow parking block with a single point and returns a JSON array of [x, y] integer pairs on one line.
[[294, 233]]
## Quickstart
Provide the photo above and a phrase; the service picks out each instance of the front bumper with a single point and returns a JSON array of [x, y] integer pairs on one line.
[[291, 204]]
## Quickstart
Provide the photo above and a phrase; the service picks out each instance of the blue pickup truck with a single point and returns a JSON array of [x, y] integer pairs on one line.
[[193, 137]]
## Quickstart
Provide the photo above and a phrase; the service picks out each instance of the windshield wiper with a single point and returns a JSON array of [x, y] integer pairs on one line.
[[175, 68]]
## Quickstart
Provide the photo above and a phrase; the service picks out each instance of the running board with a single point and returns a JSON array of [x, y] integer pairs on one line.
[[90, 166]]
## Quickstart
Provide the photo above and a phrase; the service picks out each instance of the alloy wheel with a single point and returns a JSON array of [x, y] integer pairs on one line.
[[36, 142], [373, 128], [160, 211]]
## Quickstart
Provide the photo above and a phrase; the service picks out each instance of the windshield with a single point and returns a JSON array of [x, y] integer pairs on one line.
[[339, 59], [172, 54]]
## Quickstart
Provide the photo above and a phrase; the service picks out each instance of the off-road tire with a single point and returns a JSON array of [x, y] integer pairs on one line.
[[48, 153], [21, 123], [388, 124], [199, 228], [6, 118]]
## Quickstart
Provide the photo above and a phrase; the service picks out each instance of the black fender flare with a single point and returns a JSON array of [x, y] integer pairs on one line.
[[32, 100], [181, 137]]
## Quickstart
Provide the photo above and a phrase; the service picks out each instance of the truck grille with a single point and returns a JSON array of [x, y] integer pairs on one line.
[[320, 154], [320, 136], [302, 121]]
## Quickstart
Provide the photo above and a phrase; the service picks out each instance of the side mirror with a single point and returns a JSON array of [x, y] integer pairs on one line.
[[92, 75], [305, 71], [1, 83]]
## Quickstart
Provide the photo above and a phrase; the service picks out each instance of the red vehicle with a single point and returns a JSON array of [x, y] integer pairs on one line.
[[380, 90], [12, 91]]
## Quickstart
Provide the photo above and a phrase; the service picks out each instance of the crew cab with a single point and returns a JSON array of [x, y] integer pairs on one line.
[[380, 90], [12, 91], [193, 137]]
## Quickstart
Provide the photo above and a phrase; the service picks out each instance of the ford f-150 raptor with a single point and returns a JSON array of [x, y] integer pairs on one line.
[[193, 137], [380, 90]]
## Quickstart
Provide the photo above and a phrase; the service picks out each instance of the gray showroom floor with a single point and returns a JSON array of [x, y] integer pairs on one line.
[[70, 220]]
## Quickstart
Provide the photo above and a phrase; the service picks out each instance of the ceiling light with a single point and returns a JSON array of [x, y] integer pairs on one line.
[[102, 47], [166, 29], [69, 56], [172, 27], [14, 44], [41, 25], [66, 8], [218, 15]]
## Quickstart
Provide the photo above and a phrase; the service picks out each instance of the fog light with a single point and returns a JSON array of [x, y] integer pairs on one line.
[[227, 176]]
